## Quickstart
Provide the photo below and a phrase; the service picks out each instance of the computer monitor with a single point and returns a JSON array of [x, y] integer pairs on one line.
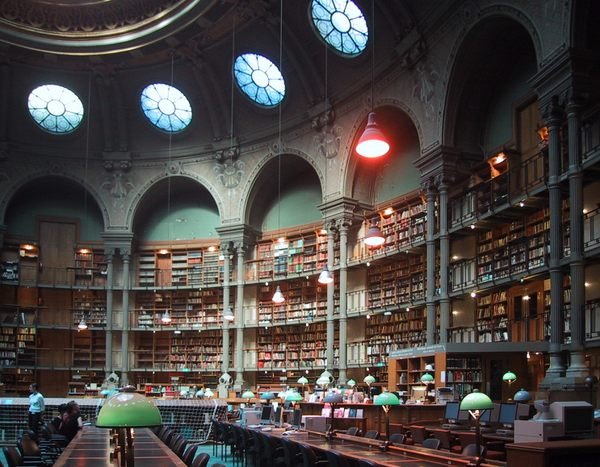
[[250, 417], [296, 419], [278, 416], [265, 415], [418, 393], [451, 412], [576, 416], [490, 416], [508, 414]]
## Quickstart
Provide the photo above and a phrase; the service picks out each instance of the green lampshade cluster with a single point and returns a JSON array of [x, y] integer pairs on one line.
[[302, 380], [128, 410], [387, 398], [476, 401], [267, 396], [369, 379], [351, 383], [248, 395]]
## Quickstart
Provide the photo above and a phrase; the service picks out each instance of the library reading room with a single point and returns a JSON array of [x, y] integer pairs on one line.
[[277, 233]]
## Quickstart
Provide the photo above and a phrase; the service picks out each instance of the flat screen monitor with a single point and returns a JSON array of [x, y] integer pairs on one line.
[[296, 419], [576, 416], [451, 411], [278, 416], [250, 417], [265, 415], [490, 416], [508, 414], [418, 393]]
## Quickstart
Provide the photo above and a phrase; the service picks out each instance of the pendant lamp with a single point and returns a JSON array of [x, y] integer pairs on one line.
[[372, 143], [374, 238], [278, 296], [326, 277]]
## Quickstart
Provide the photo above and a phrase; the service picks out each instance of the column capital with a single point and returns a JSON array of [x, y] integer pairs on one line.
[[553, 112], [429, 186], [343, 224], [240, 247]]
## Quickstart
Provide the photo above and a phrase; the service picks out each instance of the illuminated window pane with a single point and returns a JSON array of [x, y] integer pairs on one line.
[[166, 107], [55, 109], [341, 24], [260, 79]]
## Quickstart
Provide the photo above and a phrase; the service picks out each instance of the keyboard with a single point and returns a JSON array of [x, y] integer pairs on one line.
[[454, 426], [503, 432], [483, 429]]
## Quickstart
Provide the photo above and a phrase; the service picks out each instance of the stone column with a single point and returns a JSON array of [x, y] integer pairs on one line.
[[429, 188], [343, 225], [225, 249], [444, 261], [577, 367], [125, 334], [109, 254], [240, 251], [330, 292], [553, 115]]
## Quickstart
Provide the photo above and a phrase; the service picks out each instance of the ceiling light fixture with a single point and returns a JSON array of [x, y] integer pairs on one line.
[[278, 296], [326, 277], [166, 317], [82, 326], [228, 314], [374, 238], [372, 143]]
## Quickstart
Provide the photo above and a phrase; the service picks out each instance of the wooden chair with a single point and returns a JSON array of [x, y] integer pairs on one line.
[[431, 443]]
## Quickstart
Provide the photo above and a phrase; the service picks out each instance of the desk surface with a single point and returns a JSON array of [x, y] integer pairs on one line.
[[91, 448], [410, 456]]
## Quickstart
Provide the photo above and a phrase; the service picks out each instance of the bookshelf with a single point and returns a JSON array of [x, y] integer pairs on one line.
[[89, 267], [90, 305], [462, 372], [181, 267], [492, 317], [289, 256], [89, 350], [188, 308]]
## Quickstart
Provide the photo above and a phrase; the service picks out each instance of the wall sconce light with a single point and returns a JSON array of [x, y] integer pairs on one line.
[[542, 133]]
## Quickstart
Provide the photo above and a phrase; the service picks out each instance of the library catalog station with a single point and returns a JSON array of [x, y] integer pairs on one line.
[[200, 199]]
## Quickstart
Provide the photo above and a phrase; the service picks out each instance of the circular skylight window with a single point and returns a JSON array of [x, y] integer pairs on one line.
[[55, 109], [260, 79], [166, 107], [341, 24]]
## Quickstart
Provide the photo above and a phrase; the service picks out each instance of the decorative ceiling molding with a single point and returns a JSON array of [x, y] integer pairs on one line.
[[69, 27]]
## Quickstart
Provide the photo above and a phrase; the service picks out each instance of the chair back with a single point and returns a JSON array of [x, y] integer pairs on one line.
[[354, 431], [201, 460], [471, 450], [189, 454], [431, 443], [444, 437], [335, 459], [418, 433], [396, 438], [372, 434]]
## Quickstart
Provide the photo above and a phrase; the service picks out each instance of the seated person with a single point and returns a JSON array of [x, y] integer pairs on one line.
[[72, 421], [57, 421]]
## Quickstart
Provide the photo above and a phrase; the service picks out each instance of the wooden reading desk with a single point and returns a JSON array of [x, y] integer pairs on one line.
[[91, 447], [378, 451]]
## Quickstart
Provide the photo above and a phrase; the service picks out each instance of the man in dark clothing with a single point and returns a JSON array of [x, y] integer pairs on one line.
[[71, 421]]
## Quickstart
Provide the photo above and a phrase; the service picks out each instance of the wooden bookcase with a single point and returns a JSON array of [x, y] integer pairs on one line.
[[91, 306], [180, 267], [89, 350], [89, 267], [492, 317], [462, 372]]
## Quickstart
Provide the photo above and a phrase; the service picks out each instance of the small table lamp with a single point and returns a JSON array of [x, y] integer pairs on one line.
[[332, 399], [386, 400], [509, 377], [351, 383], [267, 396], [293, 397], [208, 393], [475, 403], [369, 379], [522, 396], [248, 395], [303, 381], [124, 411]]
